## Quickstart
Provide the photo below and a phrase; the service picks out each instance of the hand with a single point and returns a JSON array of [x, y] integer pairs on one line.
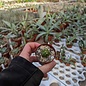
[[28, 50]]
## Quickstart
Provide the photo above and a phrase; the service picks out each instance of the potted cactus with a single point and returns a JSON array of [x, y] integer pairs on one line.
[[45, 53], [57, 37], [83, 60], [46, 34], [4, 49], [3, 43], [82, 45], [70, 61], [33, 30], [28, 37], [15, 52], [5, 52], [64, 59], [47, 30], [62, 53], [4, 62], [57, 55], [65, 20], [14, 44], [69, 41], [24, 24], [1, 37], [14, 34]]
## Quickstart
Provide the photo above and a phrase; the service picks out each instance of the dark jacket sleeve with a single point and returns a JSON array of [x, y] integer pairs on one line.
[[21, 73]]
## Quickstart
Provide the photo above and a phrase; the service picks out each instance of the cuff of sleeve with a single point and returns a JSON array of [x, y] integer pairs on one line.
[[20, 61]]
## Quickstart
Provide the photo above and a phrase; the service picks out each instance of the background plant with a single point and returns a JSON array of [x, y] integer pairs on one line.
[[82, 43], [48, 28], [1, 4], [2, 61], [11, 27]]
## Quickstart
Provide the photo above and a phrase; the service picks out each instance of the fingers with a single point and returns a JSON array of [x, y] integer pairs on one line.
[[45, 75], [31, 46], [33, 59], [28, 49], [47, 67]]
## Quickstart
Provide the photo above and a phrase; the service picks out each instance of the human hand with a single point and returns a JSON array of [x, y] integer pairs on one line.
[[28, 50]]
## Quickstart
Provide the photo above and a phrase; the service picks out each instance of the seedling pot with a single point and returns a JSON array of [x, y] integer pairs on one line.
[[6, 54], [67, 64], [83, 61], [18, 40], [75, 41], [31, 39], [57, 55], [45, 53], [15, 45], [50, 38], [6, 62], [69, 45], [56, 40], [84, 51], [84, 64]]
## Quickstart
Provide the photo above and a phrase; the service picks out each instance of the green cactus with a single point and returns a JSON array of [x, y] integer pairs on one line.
[[45, 53]]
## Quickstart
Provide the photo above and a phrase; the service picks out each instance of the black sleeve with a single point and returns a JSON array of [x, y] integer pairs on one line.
[[21, 73]]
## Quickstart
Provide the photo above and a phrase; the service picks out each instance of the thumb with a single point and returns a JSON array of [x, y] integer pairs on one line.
[[47, 67]]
